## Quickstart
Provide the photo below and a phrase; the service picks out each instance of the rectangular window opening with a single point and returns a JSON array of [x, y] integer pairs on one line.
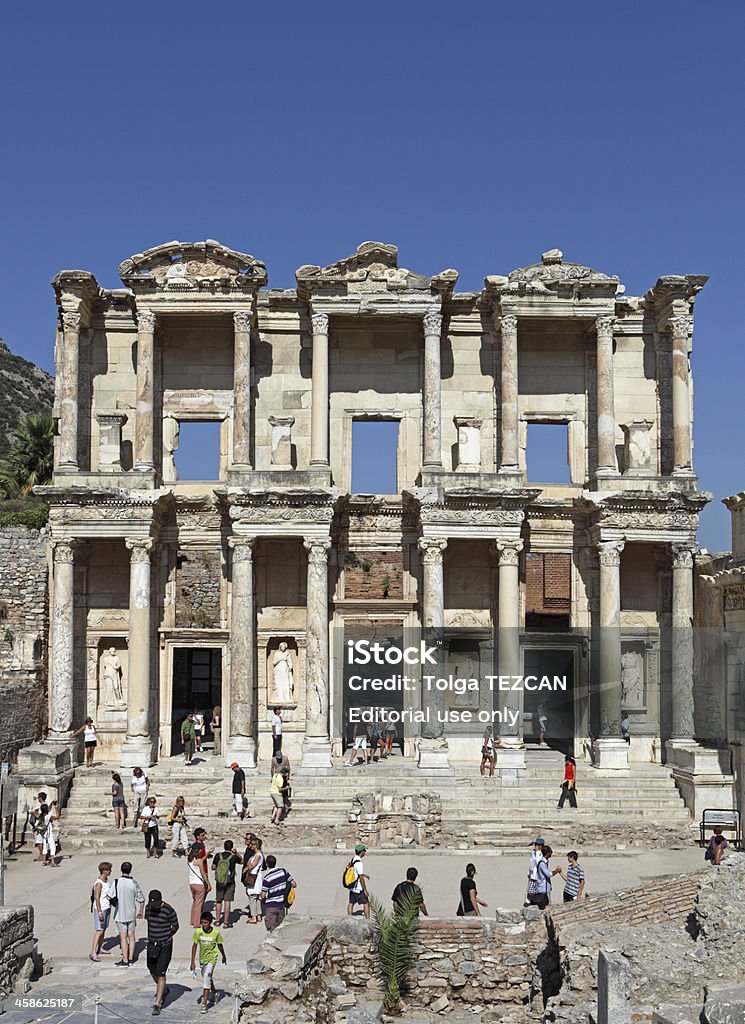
[[547, 453], [375, 456], [196, 455]]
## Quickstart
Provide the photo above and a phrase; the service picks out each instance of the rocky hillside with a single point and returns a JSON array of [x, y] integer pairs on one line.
[[24, 388]]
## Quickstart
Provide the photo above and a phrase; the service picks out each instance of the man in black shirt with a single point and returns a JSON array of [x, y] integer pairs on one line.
[[162, 925], [239, 789], [411, 889]]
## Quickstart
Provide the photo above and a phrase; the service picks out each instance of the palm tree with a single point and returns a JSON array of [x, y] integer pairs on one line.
[[30, 460], [395, 939]]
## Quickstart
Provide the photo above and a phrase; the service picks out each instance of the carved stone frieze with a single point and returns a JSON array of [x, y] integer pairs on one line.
[[734, 598]]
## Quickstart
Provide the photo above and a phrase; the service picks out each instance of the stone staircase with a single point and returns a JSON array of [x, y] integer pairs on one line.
[[480, 811]]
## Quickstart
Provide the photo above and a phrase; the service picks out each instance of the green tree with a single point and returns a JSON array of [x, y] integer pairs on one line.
[[30, 460], [395, 941]]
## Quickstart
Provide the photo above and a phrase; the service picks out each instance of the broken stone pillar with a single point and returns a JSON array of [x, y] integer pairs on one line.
[[137, 748], [637, 448], [606, 397], [242, 389], [319, 413], [241, 744], [469, 443], [612, 750], [145, 393], [509, 462], [431, 397], [680, 328], [510, 754], [282, 441], [68, 406], [614, 989], [317, 743], [110, 440]]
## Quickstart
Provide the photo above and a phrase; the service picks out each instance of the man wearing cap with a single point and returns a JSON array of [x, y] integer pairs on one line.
[[239, 789], [358, 895], [162, 925], [536, 855]]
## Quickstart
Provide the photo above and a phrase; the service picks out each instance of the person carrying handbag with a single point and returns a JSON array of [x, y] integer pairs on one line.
[[569, 783], [149, 820]]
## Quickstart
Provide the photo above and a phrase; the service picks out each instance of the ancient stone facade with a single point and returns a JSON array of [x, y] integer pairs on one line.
[[23, 638], [151, 574]]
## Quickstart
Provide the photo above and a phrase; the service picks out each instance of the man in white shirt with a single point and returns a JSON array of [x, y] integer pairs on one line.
[[536, 855], [358, 895], [130, 905], [140, 784], [276, 731]]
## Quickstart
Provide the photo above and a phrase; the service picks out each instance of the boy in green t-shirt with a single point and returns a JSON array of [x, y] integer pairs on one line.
[[209, 940]]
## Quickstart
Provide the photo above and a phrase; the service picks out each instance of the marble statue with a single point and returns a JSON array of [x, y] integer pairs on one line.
[[111, 679], [282, 677], [171, 428], [631, 679]]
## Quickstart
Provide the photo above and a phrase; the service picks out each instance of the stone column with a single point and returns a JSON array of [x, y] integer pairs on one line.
[[317, 743], [63, 642], [607, 462], [614, 988], [511, 752], [319, 423], [612, 750], [682, 644], [241, 745], [431, 397], [510, 460], [242, 389], [433, 747], [145, 391], [68, 407], [137, 748], [679, 329]]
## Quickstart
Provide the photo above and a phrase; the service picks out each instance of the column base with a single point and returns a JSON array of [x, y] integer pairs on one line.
[[47, 767], [433, 756], [241, 749], [611, 755], [137, 752], [316, 755], [703, 775], [509, 757]]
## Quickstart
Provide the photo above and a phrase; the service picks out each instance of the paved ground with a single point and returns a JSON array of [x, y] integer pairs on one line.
[[61, 898]]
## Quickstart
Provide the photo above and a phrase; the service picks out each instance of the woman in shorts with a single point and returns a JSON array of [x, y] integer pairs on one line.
[[389, 734], [487, 752], [90, 739], [359, 746], [253, 876], [117, 801]]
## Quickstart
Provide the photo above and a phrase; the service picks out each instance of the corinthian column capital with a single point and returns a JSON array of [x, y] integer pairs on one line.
[[682, 556], [64, 551], [433, 323], [242, 548], [432, 549], [242, 320], [508, 551], [680, 327], [140, 549], [145, 321], [71, 321], [604, 326], [318, 549], [609, 552], [508, 324], [320, 323]]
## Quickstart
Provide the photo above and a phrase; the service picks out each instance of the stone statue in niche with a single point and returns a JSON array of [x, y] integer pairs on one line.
[[282, 675], [171, 428], [631, 679], [111, 679]]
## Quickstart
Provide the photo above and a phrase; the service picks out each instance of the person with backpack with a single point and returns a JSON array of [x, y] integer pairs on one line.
[[253, 877], [275, 890], [355, 880], [224, 864], [199, 881], [717, 845], [130, 904], [279, 787], [103, 895], [179, 825]]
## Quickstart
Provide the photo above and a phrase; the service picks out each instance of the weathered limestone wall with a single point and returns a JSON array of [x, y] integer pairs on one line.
[[198, 587], [16, 946], [24, 619]]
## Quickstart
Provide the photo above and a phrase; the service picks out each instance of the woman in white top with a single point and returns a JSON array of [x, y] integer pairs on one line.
[[101, 893], [253, 877], [90, 739], [150, 817], [487, 751], [48, 814], [140, 785], [198, 728]]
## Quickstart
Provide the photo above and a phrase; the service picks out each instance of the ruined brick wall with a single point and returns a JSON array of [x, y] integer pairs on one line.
[[660, 900], [548, 583], [24, 620], [373, 575], [198, 587]]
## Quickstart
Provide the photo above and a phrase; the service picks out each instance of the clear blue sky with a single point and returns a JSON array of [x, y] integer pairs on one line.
[[474, 135]]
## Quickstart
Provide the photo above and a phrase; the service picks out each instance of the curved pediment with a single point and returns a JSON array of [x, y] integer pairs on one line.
[[553, 273], [192, 266], [372, 267]]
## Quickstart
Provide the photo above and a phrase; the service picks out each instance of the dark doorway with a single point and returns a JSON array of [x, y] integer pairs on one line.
[[557, 705], [377, 702], [197, 685]]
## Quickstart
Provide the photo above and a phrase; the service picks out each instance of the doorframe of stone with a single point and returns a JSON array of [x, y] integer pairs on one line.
[[578, 644], [574, 420], [406, 614], [169, 640]]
